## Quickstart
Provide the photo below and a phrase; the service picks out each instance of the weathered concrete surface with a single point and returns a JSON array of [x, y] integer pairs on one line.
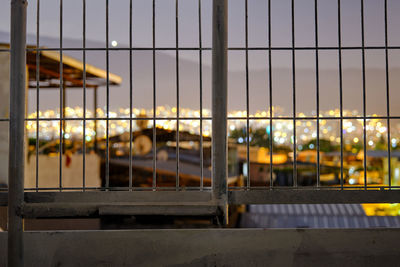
[[4, 114], [71, 173], [211, 247]]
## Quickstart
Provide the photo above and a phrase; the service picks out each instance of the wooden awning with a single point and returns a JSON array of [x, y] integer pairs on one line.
[[72, 74]]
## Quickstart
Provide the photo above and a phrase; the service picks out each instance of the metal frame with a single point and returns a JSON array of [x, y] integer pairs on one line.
[[155, 200], [212, 204], [219, 101], [311, 196], [17, 133], [219, 117]]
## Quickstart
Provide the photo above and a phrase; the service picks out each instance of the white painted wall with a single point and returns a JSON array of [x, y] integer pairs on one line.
[[72, 175], [4, 113]]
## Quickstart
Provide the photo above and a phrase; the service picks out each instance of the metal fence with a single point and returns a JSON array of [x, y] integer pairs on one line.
[[200, 200]]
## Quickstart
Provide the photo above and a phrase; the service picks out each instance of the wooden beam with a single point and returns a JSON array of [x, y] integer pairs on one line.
[[56, 74]]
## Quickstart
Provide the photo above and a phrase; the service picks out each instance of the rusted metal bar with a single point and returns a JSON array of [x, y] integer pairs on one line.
[[17, 133], [219, 102]]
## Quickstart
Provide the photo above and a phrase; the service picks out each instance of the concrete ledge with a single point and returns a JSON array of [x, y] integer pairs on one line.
[[112, 197], [254, 196], [59, 209], [174, 209], [211, 247]]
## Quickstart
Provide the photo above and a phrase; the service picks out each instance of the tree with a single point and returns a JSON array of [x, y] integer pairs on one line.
[[324, 145], [258, 137]]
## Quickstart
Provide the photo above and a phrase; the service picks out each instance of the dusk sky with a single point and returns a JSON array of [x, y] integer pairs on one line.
[[258, 60]]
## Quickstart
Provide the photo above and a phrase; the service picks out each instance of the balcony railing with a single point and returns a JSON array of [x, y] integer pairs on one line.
[[207, 198]]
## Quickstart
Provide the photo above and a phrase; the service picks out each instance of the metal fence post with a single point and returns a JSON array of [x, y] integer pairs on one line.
[[17, 133], [219, 102]]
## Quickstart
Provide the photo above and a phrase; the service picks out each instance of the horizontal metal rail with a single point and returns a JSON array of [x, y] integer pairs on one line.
[[210, 118], [279, 48], [91, 204], [312, 196], [94, 204], [3, 191]]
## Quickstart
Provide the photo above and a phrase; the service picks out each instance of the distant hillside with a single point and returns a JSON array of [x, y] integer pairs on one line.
[[189, 83]]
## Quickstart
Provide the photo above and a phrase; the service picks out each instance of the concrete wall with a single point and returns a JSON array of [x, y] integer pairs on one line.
[[211, 247], [4, 113], [72, 172]]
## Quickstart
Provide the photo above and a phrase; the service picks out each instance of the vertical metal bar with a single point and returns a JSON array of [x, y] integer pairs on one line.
[[247, 93], [61, 137], [219, 99], [364, 94], [107, 101], [154, 98], [270, 96], [130, 95], [388, 98], [317, 88], [84, 93], [95, 118], [17, 133], [64, 105], [177, 90], [37, 90], [201, 101], [340, 91], [294, 100]]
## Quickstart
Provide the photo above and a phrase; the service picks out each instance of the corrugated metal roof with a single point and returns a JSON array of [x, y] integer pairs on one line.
[[257, 220], [309, 209], [314, 216]]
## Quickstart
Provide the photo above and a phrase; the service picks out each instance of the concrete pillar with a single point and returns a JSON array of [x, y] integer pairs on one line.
[[4, 113]]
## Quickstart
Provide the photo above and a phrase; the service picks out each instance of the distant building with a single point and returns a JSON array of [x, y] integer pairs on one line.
[[49, 77]]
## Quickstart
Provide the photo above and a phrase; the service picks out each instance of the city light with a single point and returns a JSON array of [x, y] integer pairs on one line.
[[282, 129]]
